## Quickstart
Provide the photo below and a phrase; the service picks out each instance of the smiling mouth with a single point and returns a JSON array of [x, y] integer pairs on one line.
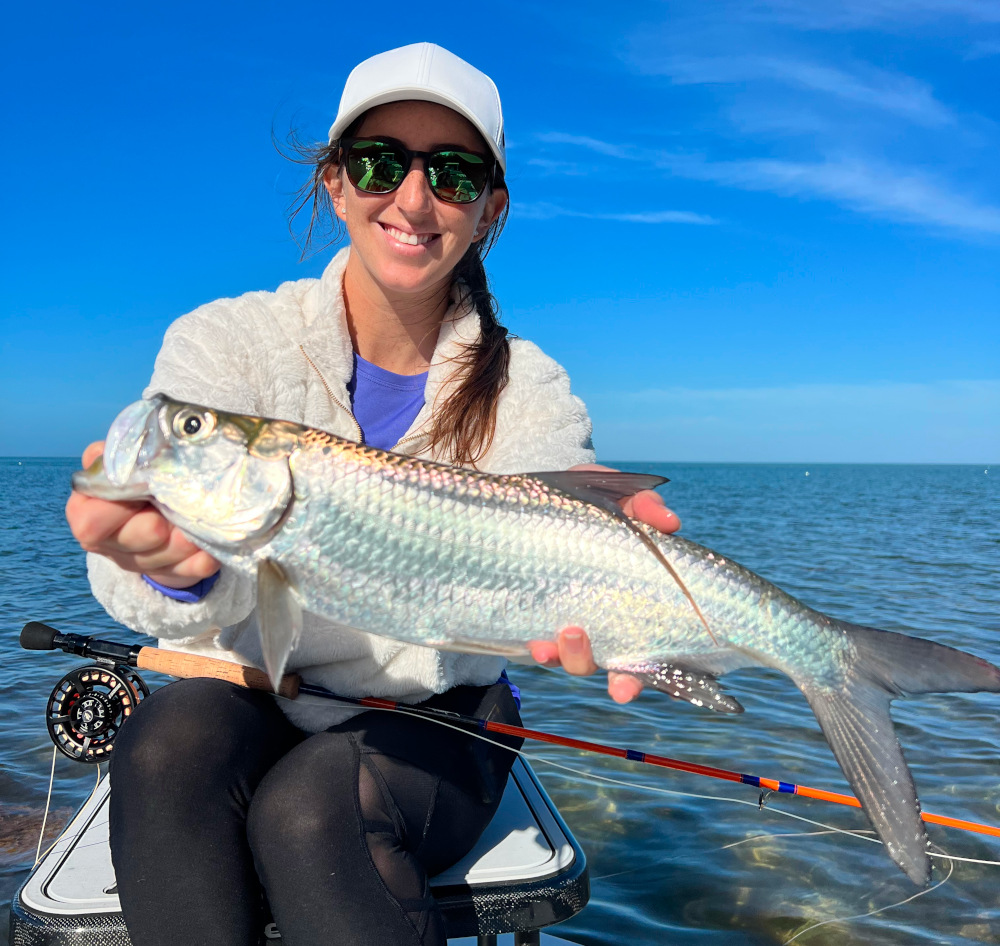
[[411, 239]]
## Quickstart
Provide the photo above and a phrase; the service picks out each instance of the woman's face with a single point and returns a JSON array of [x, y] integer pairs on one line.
[[408, 241]]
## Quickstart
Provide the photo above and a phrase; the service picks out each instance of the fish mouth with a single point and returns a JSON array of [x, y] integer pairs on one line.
[[133, 440], [94, 482]]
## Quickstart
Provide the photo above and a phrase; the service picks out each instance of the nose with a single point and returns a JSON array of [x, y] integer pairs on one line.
[[414, 195]]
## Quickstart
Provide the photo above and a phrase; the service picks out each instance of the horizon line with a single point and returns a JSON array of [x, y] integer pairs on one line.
[[20, 457]]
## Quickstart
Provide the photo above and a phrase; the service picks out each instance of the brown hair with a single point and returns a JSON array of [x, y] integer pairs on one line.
[[464, 427]]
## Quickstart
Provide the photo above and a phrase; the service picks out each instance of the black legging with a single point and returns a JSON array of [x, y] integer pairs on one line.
[[217, 801]]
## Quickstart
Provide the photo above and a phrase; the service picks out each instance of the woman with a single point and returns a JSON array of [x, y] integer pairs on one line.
[[220, 796]]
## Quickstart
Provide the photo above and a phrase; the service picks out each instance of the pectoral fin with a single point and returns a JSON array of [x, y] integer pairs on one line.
[[280, 618]]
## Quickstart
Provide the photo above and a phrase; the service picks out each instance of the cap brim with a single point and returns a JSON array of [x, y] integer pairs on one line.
[[408, 94]]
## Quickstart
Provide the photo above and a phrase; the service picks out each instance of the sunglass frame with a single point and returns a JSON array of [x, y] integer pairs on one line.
[[490, 164]]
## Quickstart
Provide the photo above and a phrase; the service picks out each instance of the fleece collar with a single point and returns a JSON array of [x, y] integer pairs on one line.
[[327, 341]]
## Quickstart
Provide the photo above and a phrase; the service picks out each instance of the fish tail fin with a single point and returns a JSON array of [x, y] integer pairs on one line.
[[855, 719]]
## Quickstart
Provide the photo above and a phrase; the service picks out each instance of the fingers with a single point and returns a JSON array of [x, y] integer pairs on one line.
[[545, 652], [92, 452], [189, 571], [648, 507], [570, 650], [169, 558], [623, 687], [92, 521], [574, 652], [137, 538]]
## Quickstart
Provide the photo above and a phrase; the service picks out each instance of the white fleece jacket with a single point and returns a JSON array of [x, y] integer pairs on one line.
[[249, 355]]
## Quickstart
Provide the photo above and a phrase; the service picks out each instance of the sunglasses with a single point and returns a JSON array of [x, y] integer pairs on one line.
[[378, 166]]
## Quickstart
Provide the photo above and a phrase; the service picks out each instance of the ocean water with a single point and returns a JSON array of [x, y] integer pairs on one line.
[[914, 549]]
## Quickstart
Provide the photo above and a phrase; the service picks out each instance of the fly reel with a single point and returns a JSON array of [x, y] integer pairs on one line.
[[87, 708]]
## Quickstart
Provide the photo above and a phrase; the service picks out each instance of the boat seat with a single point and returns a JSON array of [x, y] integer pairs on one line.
[[527, 872]]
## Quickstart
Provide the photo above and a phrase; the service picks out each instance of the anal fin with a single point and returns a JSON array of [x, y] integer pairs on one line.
[[693, 685]]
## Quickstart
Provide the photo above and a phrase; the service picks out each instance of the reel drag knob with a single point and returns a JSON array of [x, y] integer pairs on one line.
[[87, 708]]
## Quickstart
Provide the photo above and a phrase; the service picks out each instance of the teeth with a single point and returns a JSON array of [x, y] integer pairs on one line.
[[409, 238]]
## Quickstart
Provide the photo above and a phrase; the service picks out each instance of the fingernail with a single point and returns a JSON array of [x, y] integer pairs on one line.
[[573, 641]]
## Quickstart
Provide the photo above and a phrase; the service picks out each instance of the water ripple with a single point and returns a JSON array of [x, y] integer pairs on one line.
[[912, 549]]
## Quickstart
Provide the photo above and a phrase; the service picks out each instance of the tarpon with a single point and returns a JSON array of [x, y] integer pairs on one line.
[[455, 559]]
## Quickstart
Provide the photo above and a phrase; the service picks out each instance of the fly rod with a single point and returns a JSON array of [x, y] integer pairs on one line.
[[112, 697]]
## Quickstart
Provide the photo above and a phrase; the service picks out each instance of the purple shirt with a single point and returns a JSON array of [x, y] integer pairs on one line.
[[384, 404]]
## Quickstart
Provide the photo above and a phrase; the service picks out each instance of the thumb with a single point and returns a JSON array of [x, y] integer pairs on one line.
[[92, 452]]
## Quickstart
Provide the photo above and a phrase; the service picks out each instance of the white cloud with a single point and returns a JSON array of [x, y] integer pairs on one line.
[[582, 141], [544, 211], [891, 192], [983, 49], [802, 116], [861, 14], [874, 88], [934, 422], [878, 189], [555, 166]]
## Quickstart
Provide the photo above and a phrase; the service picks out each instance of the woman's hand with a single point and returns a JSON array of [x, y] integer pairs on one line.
[[571, 649], [136, 537]]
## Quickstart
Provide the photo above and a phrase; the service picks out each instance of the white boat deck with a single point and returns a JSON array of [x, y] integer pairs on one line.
[[523, 852]]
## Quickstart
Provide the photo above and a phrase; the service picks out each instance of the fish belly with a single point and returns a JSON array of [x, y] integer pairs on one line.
[[492, 570], [437, 568]]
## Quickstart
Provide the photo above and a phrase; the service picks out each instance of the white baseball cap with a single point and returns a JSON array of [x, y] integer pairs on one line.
[[427, 73]]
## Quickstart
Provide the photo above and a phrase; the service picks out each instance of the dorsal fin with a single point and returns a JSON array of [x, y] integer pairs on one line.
[[603, 488], [592, 485]]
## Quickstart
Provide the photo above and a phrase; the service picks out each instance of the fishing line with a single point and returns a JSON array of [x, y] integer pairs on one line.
[[29, 750], [724, 847], [45, 815], [39, 854], [862, 916], [83, 719], [787, 834], [637, 786], [768, 785], [861, 833]]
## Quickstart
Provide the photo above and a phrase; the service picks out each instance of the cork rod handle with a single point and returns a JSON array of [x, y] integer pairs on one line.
[[189, 665]]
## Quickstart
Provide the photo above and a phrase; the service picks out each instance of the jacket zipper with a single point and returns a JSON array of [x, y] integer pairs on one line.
[[329, 394], [347, 410], [419, 435]]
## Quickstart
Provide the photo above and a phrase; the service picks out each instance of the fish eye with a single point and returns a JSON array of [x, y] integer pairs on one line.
[[194, 425]]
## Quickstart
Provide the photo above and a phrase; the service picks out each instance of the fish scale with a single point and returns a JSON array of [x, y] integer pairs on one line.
[[431, 554], [498, 552]]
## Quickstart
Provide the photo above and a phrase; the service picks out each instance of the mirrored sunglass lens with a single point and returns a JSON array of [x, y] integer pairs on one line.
[[375, 166], [457, 176]]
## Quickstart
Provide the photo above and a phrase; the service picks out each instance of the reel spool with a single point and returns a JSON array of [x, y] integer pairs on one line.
[[87, 708], [138, 684]]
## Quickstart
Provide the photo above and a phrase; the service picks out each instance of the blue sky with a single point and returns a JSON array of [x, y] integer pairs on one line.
[[761, 231]]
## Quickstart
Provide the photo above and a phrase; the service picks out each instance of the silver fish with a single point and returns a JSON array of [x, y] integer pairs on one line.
[[454, 559]]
